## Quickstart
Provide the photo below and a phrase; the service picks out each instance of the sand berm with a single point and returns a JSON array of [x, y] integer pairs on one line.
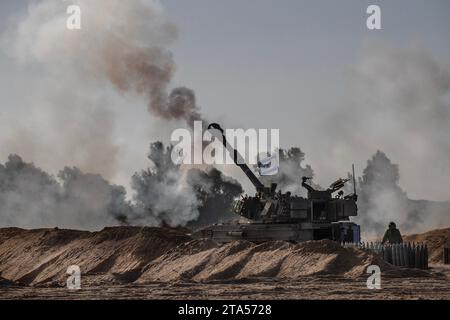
[[118, 255]]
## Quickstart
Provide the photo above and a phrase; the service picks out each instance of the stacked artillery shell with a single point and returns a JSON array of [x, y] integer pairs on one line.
[[416, 257], [410, 256], [405, 255], [447, 255], [394, 255], [413, 255], [422, 256], [401, 255], [386, 253]]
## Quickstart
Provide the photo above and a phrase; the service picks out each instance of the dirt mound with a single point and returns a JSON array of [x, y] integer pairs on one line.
[[207, 261], [435, 240], [42, 256], [120, 255]]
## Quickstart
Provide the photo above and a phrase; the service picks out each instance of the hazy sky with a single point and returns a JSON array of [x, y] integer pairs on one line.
[[264, 64]]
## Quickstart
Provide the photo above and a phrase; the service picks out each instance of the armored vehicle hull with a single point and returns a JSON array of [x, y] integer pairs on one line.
[[344, 231], [275, 215]]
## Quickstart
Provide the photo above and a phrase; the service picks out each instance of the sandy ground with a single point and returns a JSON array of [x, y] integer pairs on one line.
[[314, 287], [155, 263]]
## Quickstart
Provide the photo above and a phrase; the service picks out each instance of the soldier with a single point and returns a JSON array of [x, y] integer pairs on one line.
[[392, 235]]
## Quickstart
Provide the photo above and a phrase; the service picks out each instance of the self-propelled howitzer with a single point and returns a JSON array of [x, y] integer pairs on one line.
[[273, 215]]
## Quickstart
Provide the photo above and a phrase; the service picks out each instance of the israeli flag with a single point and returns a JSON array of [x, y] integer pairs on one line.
[[268, 165]]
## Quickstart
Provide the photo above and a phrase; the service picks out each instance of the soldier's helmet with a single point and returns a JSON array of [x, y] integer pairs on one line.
[[392, 225]]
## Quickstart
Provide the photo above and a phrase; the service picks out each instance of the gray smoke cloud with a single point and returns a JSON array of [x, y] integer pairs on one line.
[[125, 43], [30, 197], [381, 200], [216, 193], [171, 195], [397, 100], [163, 194], [122, 47]]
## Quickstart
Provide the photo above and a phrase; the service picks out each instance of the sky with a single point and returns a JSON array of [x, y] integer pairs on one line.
[[266, 64]]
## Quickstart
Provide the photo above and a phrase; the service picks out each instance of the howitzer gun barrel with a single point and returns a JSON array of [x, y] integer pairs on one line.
[[215, 129]]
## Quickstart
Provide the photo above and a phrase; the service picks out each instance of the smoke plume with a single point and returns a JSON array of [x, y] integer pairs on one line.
[[122, 46], [120, 54], [30, 197], [162, 194], [125, 43], [216, 193], [171, 195], [382, 200], [397, 100]]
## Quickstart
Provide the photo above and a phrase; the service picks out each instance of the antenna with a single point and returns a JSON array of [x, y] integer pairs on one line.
[[354, 180]]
